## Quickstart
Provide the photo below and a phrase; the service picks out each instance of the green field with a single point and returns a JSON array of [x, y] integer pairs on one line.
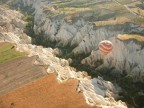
[[113, 12], [8, 53]]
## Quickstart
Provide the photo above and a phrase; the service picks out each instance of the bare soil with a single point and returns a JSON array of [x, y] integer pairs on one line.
[[46, 92], [18, 72]]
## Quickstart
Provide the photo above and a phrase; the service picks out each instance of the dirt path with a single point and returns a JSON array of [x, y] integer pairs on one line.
[[45, 93]]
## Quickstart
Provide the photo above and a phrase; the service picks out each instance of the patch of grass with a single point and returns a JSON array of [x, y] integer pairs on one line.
[[140, 5], [131, 36], [124, 1], [8, 53]]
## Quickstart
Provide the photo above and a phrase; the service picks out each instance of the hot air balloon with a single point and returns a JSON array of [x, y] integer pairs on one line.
[[105, 47]]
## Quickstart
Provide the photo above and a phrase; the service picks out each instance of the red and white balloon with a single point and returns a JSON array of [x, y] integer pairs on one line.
[[105, 47]]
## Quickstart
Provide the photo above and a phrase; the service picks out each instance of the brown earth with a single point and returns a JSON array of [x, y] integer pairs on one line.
[[18, 72], [25, 85], [45, 93], [2, 43]]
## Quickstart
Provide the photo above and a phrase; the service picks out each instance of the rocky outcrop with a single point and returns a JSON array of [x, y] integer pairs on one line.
[[12, 26], [97, 91], [126, 56]]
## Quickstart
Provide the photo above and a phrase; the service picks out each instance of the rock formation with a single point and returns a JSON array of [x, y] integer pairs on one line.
[[97, 91], [126, 56]]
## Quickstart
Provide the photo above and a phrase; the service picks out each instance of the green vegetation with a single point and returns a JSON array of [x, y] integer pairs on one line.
[[140, 5], [139, 38], [124, 1], [8, 53], [111, 12], [29, 26]]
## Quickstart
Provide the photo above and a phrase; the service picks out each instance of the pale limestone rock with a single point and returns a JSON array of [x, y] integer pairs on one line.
[[1, 29], [69, 60], [97, 92], [6, 26], [57, 52], [18, 23], [126, 57]]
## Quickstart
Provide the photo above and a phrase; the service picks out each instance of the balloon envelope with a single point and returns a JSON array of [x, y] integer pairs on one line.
[[105, 47]]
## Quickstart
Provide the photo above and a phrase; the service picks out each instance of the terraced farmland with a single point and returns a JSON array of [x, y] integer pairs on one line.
[[16, 70], [97, 10]]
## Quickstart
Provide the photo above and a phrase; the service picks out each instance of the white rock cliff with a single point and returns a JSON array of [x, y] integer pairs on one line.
[[97, 91], [125, 56]]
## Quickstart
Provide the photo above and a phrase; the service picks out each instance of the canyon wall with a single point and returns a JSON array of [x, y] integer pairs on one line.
[[127, 57], [97, 91]]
